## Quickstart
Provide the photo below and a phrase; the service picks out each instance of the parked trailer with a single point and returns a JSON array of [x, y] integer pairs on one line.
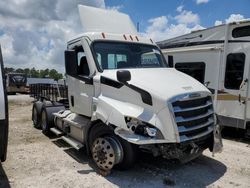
[[123, 97], [219, 57], [4, 122]]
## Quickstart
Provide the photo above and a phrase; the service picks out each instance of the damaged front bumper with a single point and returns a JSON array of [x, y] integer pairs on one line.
[[217, 143]]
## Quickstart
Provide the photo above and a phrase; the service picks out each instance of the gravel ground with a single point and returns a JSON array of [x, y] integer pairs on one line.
[[35, 160]]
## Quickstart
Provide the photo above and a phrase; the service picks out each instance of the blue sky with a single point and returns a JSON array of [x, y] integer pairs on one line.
[[143, 10], [33, 33]]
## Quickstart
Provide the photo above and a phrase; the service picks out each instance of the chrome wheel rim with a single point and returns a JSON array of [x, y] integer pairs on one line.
[[107, 152]]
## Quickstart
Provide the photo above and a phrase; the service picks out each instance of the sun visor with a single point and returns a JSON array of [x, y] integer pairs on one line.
[[108, 21]]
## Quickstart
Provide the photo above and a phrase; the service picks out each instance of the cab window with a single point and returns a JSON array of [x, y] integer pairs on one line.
[[82, 64]]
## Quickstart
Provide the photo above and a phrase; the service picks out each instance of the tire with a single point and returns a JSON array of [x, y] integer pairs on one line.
[[44, 122], [101, 130], [36, 114], [47, 117]]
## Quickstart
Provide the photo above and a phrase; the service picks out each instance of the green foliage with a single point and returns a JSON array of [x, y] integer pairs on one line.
[[33, 73]]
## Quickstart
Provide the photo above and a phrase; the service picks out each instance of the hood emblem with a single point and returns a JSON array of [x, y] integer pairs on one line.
[[187, 88]]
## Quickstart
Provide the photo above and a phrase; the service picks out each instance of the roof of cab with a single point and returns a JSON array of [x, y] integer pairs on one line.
[[102, 20], [99, 24], [92, 36]]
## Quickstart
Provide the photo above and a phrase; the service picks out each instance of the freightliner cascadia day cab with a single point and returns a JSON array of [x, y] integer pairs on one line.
[[123, 97], [3, 113]]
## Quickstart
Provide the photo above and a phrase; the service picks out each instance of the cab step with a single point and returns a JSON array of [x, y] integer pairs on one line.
[[56, 131], [74, 143]]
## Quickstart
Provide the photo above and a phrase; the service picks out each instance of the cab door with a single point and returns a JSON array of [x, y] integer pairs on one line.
[[80, 71], [3, 113]]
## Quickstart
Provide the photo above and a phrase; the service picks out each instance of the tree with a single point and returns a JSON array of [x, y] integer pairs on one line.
[[34, 73], [47, 73]]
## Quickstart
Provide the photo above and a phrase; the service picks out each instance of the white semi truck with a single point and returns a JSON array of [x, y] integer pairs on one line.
[[123, 97], [4, 123]]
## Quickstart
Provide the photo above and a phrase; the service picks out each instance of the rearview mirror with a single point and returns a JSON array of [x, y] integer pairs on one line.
[[123, 76], [70, 62]]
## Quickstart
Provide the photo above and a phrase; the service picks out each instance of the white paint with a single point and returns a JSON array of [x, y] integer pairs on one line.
[[111, 105], [108, 21], [2, 99]]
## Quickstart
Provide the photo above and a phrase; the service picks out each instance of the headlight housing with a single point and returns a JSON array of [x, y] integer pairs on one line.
[[142, 128]]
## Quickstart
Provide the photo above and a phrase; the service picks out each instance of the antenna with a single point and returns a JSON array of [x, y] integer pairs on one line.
[[138, 26]]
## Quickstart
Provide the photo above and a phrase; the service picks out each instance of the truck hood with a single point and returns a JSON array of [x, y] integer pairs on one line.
[[161, 83]]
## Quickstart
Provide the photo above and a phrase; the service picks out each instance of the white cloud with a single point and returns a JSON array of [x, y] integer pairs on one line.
[[34, 33], [160, 29], [218, 22], [179, 8], [115, 8], [158, 23], [187, 17], [231, 18], [201, 1], [234, 18]]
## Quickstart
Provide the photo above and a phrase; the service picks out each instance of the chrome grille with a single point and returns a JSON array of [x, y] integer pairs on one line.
[[194, 116]]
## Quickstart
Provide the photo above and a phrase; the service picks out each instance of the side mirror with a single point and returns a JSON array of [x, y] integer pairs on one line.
[[123, 76], [70, 62]]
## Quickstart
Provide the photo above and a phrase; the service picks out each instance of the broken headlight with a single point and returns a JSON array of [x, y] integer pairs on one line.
[[139, 127]]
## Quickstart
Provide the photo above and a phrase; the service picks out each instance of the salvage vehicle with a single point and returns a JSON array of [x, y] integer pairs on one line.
[[122, 97], [4, 122]]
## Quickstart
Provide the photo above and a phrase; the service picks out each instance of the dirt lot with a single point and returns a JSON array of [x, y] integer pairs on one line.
[[35, 160]]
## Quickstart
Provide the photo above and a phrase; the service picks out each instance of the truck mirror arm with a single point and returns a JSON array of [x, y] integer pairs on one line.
[[86, 79]]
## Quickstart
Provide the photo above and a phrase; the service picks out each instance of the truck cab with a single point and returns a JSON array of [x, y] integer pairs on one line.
[[3, 113], [123, 97]]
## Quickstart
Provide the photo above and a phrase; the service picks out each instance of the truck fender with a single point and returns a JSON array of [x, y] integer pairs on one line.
[[112, 111]]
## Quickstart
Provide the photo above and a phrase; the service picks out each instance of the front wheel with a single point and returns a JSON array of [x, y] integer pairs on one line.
[[108, 150]]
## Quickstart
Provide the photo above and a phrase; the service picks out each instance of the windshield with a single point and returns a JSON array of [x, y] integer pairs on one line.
[[120, 55]]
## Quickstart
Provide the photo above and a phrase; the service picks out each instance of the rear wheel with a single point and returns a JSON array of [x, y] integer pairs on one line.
[[44, 122], [247, 134], [36, 114], [108, 150]]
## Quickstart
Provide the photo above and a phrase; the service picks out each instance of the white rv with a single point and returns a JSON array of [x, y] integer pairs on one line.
[[3, 113], [122, 97], [218, 57]]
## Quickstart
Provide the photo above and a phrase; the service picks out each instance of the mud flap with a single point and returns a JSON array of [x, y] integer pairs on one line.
[[217, 145]]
